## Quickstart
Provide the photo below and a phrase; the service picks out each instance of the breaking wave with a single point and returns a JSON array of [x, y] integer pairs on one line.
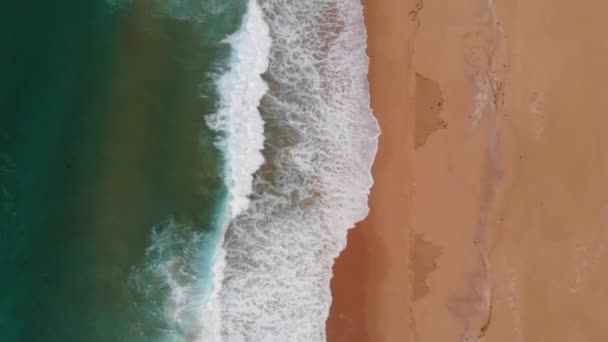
[[321, 139]]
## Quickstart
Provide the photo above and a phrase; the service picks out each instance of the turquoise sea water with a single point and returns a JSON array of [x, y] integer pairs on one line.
[[110, 183]]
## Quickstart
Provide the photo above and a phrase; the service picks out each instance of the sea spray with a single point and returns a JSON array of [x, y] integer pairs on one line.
[[321, 138]]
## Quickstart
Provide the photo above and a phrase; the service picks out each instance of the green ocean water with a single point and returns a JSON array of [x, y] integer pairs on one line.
[[102, 139]]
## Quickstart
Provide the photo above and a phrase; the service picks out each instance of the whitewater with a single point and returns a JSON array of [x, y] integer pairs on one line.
[[299, 138], [299, 145], [180, 280]]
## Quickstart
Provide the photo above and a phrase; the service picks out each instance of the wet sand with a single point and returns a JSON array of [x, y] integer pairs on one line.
[[370, 287], [489, 213]]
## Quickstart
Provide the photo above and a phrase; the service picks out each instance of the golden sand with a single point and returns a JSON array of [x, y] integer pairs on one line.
[[489, 212]]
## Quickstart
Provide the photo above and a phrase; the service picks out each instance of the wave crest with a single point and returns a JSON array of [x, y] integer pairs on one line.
[[239, 120], [238, 117]]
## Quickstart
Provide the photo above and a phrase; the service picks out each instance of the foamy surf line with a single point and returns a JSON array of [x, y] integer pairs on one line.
[[321, 138], [238, 118]]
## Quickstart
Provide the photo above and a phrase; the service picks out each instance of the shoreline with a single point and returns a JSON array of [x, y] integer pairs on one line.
[[371, 273], [489, 206]]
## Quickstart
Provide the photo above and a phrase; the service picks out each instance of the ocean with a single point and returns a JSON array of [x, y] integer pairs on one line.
[[178, 170]]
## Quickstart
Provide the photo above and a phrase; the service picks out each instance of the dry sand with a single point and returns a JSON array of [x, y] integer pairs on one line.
[[489, 215]]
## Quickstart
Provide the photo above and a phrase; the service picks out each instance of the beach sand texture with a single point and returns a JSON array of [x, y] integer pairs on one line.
[[489, 212]]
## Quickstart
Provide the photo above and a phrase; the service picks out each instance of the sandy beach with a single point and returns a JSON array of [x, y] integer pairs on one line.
[[371, 285], [490, 205]]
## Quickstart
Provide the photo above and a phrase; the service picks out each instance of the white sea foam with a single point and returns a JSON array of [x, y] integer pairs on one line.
[[239, 119], [189, 263], [172, 284], [183, 270], [271, 276], [321, 141], [241, 89]]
